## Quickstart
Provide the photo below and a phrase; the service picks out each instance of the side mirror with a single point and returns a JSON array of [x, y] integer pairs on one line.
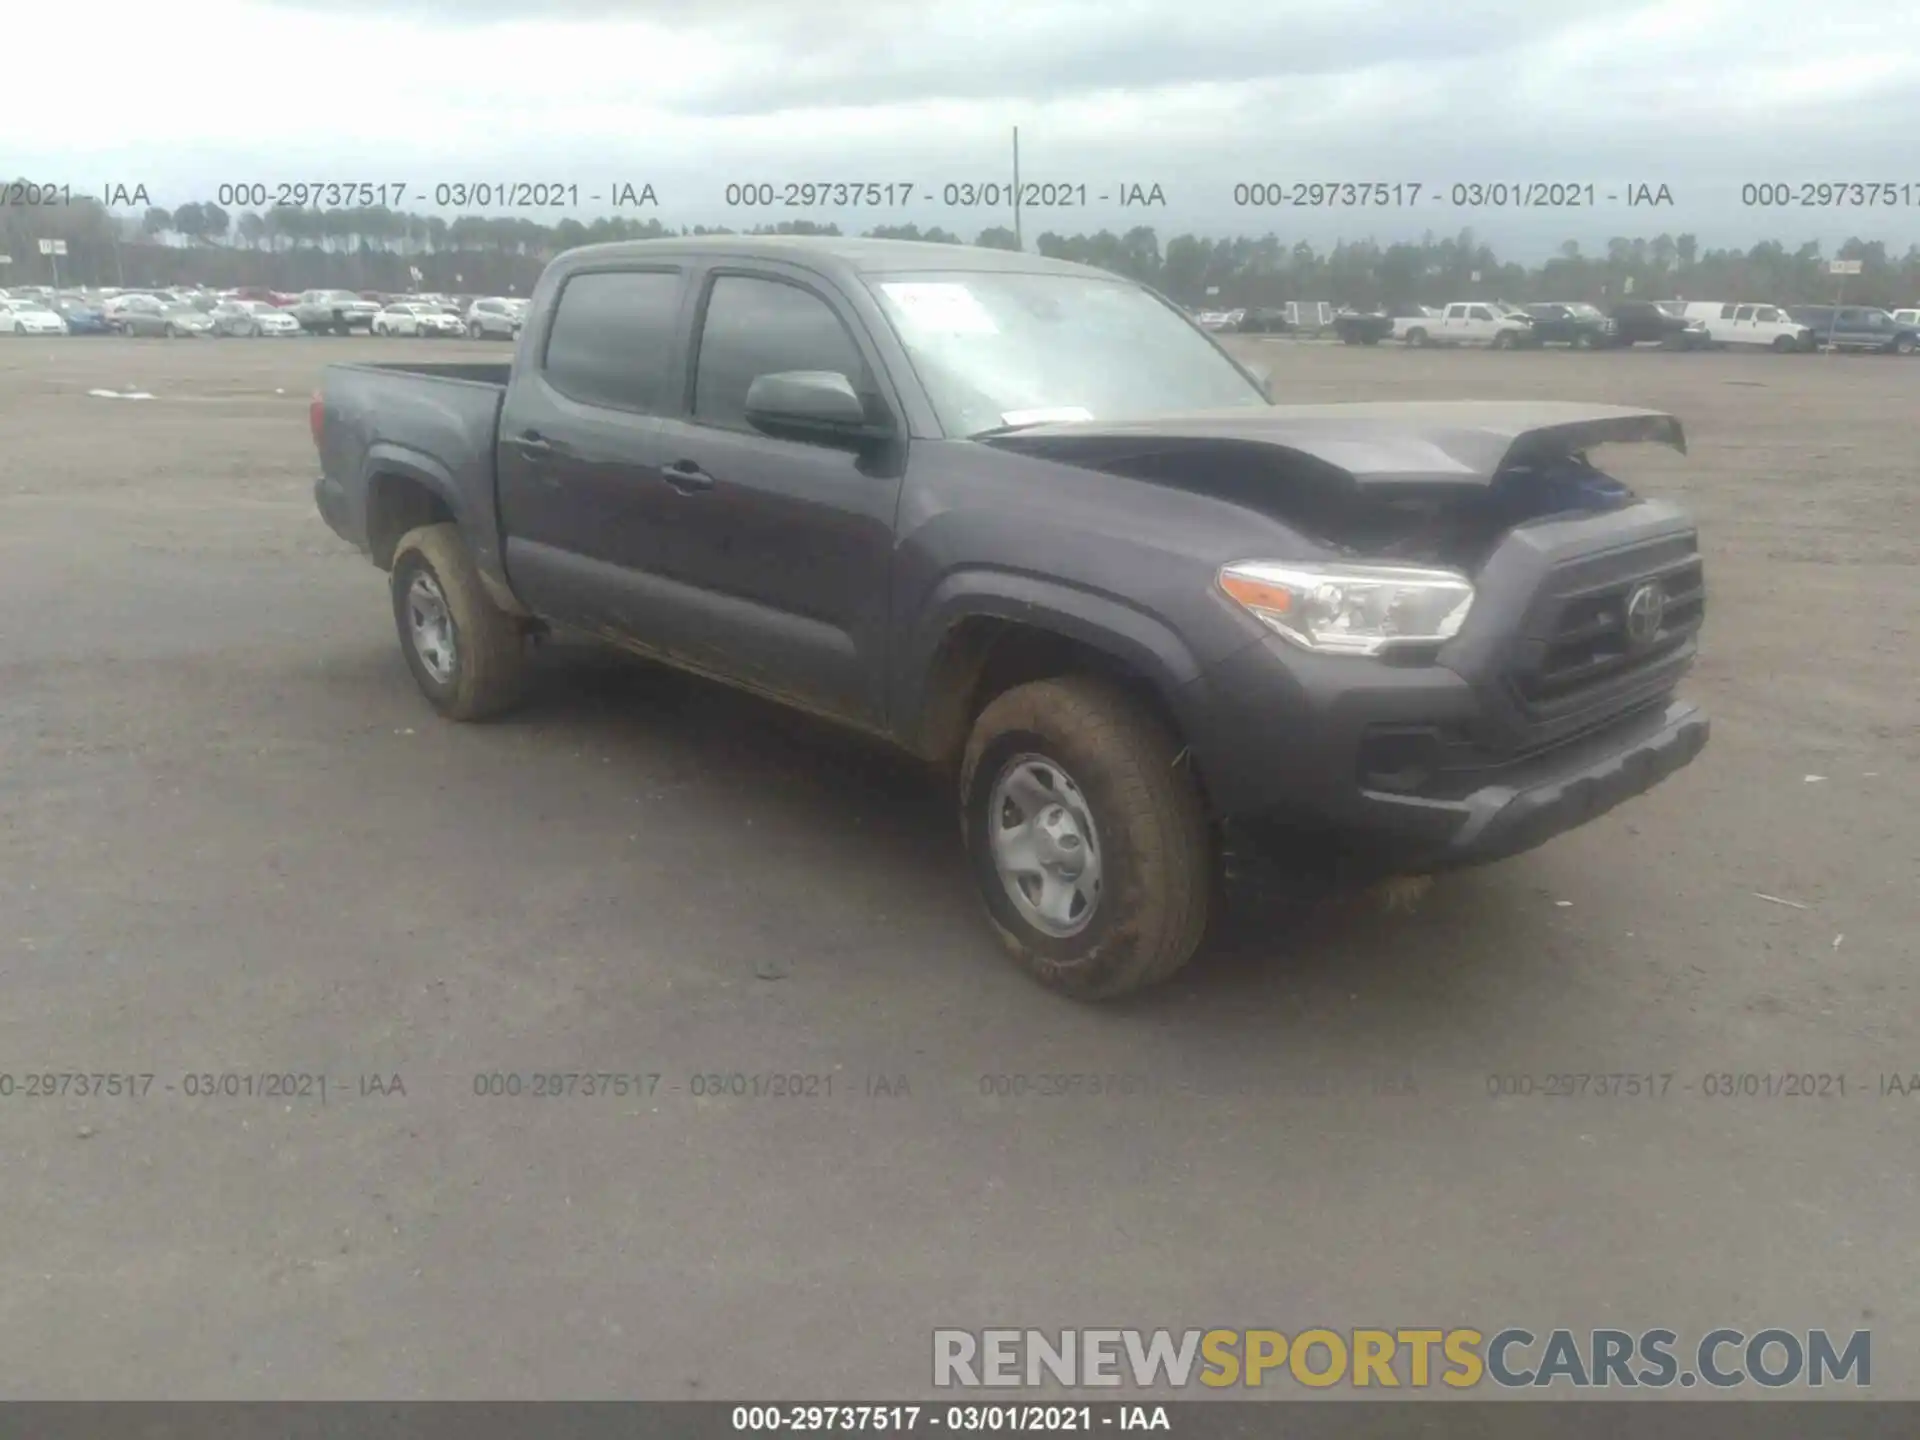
[[809, 404]]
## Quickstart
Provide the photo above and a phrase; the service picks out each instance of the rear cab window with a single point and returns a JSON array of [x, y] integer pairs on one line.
[[611, 340]]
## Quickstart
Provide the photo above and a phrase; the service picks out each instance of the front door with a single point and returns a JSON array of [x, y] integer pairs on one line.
[[787, 544]]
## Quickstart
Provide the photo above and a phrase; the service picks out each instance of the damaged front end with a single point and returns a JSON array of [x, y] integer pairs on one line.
[[1518, 680]]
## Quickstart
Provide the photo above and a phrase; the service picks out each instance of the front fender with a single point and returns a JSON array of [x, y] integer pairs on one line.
[[1136, 639]]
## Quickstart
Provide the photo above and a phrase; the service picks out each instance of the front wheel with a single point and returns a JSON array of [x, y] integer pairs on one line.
[[1903, 346], [1503, 341], [1086, 835], [173, 331], [1784, 345], [474, 332], [1416, 338], [468, 656]]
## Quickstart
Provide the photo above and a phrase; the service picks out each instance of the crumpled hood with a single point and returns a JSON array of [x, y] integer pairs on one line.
[[1417, 444]]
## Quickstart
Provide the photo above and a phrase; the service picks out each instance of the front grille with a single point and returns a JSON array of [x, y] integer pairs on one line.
[[1586, 655]]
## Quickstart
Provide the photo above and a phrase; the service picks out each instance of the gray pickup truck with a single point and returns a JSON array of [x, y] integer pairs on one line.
[[1026, 520]]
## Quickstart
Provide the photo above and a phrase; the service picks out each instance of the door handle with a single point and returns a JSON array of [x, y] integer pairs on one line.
[[532, 443], [687, 477]]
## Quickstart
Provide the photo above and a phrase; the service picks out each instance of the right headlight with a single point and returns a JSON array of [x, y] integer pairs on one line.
[[1351, 609]]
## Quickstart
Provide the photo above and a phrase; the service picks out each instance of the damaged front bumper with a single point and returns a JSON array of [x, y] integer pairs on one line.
[[1353, 835], [1570, 785]]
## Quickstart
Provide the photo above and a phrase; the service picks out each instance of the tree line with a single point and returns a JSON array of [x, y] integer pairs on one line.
[[380, 249]]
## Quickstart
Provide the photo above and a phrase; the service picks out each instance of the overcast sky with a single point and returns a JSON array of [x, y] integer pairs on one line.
[[688, 95]]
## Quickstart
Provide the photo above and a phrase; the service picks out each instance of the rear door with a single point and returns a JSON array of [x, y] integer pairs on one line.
[[786, 545], [586, 519]]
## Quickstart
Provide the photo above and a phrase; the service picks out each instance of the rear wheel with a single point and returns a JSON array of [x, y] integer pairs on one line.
[[1087, 837], [468, 656], [474, 332], [173, 331], [1416, 337]]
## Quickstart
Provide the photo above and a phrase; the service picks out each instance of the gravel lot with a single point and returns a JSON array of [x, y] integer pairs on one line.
[[234, 840]]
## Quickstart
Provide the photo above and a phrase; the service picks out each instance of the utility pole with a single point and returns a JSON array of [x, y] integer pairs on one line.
[[1018, 243]]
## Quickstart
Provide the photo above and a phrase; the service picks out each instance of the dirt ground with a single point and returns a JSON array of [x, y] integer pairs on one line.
[[234, 843]]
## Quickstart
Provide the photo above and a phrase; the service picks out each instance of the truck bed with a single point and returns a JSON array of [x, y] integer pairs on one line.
[[430, 423]]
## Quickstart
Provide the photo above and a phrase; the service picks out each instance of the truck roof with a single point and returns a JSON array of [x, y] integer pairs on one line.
[[847, 254]]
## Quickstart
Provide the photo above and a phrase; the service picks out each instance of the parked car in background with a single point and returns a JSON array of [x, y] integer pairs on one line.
[[29, 317], [1474, 322], [494, 318], [115, 307], [1767, 327], [1857, 327], [82, 314], [167, 318], [1362, 327], [252, 318], [333, 312], [1658, 322], [1263, 321], [1574, 323], [418, 318]]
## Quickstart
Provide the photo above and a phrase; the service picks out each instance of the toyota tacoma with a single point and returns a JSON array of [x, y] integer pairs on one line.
[[1026, 520]]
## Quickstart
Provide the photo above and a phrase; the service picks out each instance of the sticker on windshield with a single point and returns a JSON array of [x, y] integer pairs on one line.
[[943, 306], [1050, 415]]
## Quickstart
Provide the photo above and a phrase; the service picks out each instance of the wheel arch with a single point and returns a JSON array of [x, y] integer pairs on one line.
[[986, 633]]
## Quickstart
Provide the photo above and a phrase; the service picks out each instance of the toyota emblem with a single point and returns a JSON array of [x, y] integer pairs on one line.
[[1646, 608]]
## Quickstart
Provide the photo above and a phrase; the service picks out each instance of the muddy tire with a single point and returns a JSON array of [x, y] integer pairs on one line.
[[468, 656], [1076, 771]]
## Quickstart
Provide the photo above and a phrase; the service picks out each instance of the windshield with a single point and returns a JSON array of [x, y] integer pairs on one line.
[[1009, 349], [1585, 312]]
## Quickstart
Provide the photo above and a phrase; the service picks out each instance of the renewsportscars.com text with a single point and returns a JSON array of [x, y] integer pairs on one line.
[[1459, 1359]]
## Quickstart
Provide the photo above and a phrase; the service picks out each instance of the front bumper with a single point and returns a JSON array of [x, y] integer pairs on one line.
[[1568, 787]]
